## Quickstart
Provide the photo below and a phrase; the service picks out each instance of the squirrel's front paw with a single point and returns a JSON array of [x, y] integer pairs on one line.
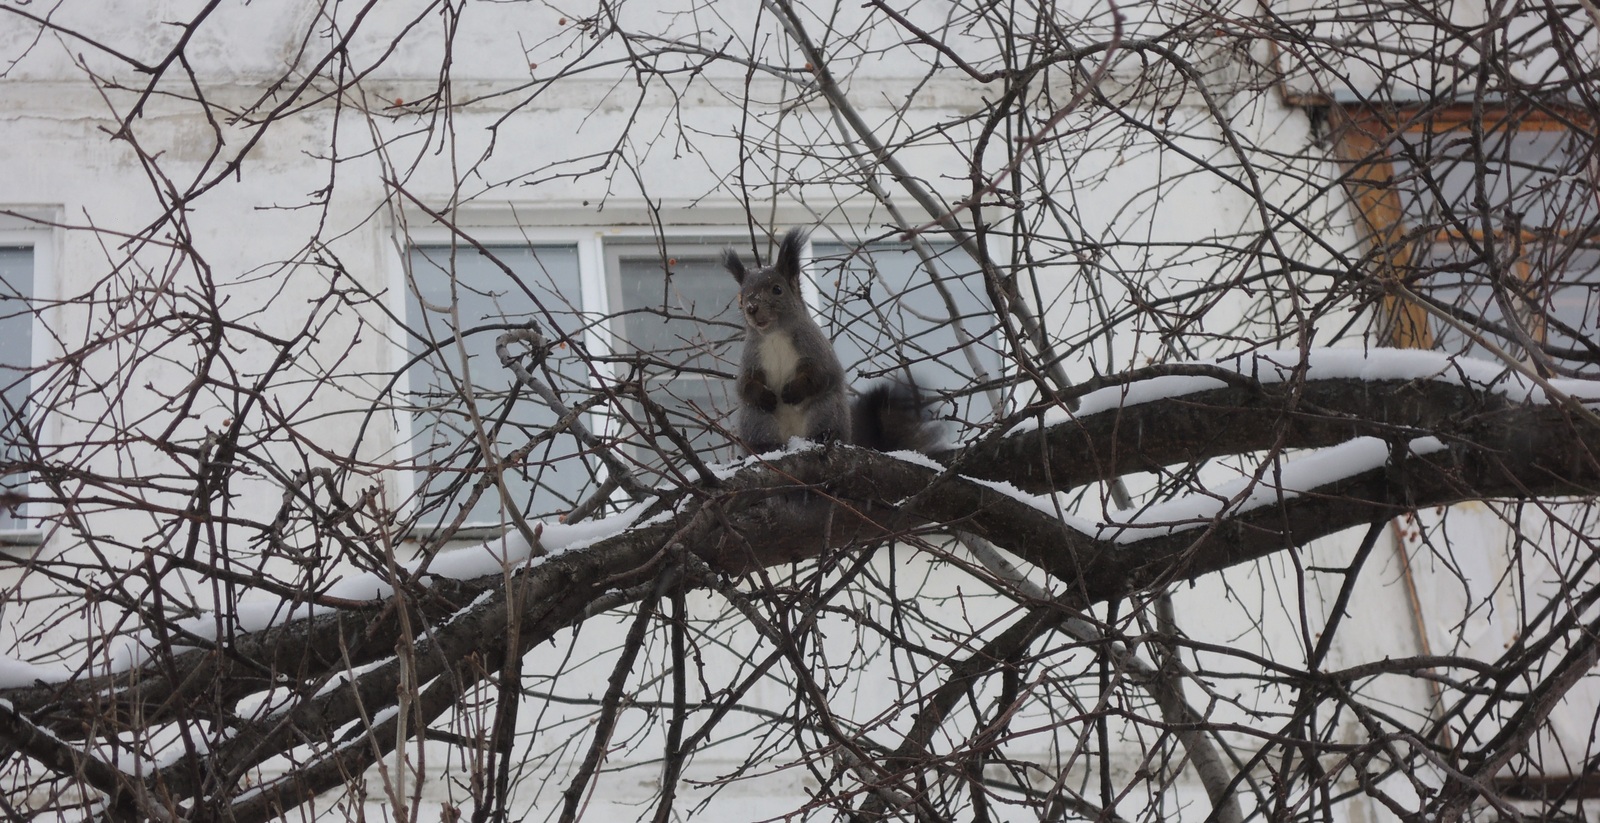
[[754, 391], [791, 395]]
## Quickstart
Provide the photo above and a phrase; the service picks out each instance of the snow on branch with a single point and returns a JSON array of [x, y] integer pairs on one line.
[[1184, 413], [1342, 439]]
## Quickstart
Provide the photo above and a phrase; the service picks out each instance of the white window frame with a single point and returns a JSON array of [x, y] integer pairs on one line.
[[543, 225], [17, 229], [598, 293]]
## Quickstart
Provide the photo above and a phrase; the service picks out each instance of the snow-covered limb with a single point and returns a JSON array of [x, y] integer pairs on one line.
[[255, 614], [1334, 451], [1277, 366], [1445, 415], [120, 784], [1164, 420]]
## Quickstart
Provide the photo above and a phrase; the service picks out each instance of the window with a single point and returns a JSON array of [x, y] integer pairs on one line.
[[670, 334], [459, 292], [1494, 223], [16, 362], [891, 318], [673, 332], [678, 329]]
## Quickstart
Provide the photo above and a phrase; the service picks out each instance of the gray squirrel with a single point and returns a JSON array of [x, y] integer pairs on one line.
[[790, 381]]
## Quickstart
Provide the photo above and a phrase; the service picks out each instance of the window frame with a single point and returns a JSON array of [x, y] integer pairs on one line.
[[433, 234], [1362, 138], [919, 369], [34, 230], [616, 247], [598, 294]]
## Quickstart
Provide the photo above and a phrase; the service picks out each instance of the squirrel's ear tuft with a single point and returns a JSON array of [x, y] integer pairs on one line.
[[730, 260], [789, 250]]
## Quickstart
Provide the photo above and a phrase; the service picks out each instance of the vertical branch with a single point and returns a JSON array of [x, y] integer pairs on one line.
[[674, 755], [610, 705]]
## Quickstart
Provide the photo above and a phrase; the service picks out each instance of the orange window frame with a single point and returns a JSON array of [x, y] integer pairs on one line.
[[1363, 137]]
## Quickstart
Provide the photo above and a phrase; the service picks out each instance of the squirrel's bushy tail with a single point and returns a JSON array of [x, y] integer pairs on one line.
[[893, 416]]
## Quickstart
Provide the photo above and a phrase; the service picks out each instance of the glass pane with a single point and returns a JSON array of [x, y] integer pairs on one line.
[[543, 288], [1524, 197], [889, 319], [1535, 179], [1458, 281], [16, 359], [678, 327], [1571, 294], [1563, 282], [679, 313]]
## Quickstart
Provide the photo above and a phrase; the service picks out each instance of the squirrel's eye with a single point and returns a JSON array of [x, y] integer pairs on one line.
[[777, 290]]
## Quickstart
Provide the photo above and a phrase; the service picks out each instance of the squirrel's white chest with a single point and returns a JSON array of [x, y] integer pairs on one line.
[[778, 359]]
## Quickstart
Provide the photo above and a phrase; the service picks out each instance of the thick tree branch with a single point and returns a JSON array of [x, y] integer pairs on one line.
[[1490, 448]]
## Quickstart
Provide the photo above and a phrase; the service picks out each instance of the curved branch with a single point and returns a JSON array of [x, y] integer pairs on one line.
[[1487, 446]]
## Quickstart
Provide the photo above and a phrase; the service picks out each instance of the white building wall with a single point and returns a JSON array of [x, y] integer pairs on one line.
[[506, 158]]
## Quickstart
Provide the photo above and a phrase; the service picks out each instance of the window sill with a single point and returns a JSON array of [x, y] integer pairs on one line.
[[465, 534], [20, 542]]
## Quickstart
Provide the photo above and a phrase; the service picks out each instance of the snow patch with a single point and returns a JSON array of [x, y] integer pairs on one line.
[[16, 674], [1292, 478], [1278, 366]]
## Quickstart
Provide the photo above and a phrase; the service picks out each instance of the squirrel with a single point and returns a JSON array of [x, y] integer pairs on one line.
[[790, 381]]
